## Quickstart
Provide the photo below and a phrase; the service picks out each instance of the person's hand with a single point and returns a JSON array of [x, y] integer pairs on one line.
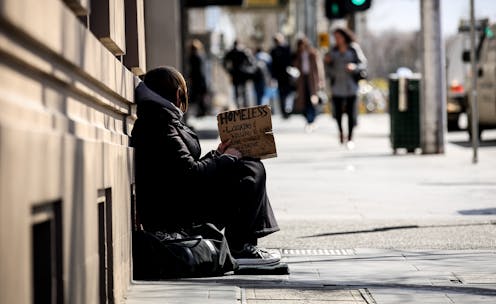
[[234, 152], [327, 58], [314, 99], [223, 146], [350, 67]]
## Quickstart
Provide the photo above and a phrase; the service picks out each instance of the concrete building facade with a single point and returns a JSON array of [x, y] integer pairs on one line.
[[68, 69]]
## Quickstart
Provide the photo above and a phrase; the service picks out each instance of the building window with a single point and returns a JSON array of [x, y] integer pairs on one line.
[[134, 214], [47, 253], [106, 262]]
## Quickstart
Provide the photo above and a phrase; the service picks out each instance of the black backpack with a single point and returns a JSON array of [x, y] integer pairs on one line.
[[201, 251]]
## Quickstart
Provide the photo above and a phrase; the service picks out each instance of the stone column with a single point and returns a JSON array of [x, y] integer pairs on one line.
[[163, 33], [433, 102]]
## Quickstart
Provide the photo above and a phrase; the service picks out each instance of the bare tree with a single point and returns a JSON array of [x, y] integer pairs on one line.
[[389, 50]]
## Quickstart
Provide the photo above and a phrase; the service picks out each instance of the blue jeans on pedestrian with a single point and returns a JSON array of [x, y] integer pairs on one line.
[[310, 111]]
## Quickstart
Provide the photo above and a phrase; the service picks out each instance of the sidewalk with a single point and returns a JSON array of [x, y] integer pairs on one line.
[[364, 226], [344, 276]]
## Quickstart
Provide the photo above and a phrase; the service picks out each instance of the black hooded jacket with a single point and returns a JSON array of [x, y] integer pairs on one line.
[[171, 175]]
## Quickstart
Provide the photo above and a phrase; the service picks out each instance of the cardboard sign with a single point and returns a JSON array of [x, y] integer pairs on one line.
[[250, 131]]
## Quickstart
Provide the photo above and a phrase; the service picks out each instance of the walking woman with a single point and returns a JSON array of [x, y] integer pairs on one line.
[[346, 66], [308, 61]]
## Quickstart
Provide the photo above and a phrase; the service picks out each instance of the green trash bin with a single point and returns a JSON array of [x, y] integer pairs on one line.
[[404, 111]]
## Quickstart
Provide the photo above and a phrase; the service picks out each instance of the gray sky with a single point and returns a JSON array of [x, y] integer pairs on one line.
[[404, 15]]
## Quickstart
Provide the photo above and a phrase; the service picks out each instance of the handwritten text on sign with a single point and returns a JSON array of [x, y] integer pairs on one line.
[[250, 131]]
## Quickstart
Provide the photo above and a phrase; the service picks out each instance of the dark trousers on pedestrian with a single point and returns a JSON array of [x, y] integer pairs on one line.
[[240, 92], [259, 91], [284, 89], [310, 111], [348, 105]]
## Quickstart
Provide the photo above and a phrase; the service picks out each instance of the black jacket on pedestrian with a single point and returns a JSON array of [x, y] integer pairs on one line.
[[281, 59], [238, 64], [176, 187]]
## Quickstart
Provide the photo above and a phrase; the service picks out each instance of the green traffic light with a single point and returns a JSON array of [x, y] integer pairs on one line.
[[358, 2], [489, 32], [335, 9]]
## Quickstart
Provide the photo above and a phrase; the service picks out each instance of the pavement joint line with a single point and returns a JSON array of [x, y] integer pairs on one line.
[[440, 288], [449, 298], [367, 296], [457, 279], [242, 293]]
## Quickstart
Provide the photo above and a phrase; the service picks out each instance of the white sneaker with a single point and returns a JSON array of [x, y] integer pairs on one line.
[[252, 255], [350, 145]]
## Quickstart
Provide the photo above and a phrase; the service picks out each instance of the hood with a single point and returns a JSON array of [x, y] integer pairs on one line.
[[143, 94]]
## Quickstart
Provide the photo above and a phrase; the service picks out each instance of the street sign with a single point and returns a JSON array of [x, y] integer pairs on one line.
[[324, 40]]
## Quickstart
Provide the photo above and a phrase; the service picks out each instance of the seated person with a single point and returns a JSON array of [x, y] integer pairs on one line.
[[177, 188]]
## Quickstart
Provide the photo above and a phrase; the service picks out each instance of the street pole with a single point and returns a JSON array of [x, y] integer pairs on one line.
[[473, 101], [433, 102], [311, 21]]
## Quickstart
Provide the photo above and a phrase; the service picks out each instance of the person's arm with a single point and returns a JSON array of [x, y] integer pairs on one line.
[[319, 66], [328, 58], [206, 166], [361, 64], [226, 62]]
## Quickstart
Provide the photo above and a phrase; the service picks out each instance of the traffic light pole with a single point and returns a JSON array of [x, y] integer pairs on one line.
[[310, 11], [473, 100], [351, 22], [433, 101]]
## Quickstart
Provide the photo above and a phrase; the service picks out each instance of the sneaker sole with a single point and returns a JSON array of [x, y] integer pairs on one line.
[[257, 262]]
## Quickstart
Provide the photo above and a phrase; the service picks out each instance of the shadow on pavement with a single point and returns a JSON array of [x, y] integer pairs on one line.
[[482, 144], [486, 211], [382, 229], [371, 155]]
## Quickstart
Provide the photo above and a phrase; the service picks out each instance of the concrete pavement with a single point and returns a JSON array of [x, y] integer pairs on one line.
[[345, 276], [364, 226]]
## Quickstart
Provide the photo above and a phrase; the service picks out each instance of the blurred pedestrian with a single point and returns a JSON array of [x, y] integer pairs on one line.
[[281, 60], [237, 63], [309, 62], [261, 80], [346, 66], [197, 77]]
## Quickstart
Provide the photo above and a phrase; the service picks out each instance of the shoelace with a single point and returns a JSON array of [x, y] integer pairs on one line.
[[259, 251]]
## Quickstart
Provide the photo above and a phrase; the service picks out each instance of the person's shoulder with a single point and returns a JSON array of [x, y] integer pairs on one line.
[[354, 46]]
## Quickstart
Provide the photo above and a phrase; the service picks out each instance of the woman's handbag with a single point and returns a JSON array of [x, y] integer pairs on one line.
[[201, 251]]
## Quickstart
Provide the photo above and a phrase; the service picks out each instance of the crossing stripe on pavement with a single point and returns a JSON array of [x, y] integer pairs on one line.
[[293, 252]]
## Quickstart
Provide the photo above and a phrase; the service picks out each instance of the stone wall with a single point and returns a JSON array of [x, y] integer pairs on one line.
[[66, 182]]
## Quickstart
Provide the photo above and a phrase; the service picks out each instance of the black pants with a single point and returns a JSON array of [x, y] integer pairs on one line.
[[284, 89], [349, 105], [240, 92], [199, 99], [239, 203]]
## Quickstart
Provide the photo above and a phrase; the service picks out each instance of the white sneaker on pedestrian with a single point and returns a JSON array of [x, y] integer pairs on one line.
[[350, 145], [252, 255]]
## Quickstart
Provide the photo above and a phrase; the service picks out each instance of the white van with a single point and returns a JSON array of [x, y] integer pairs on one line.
[[486, 79]]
